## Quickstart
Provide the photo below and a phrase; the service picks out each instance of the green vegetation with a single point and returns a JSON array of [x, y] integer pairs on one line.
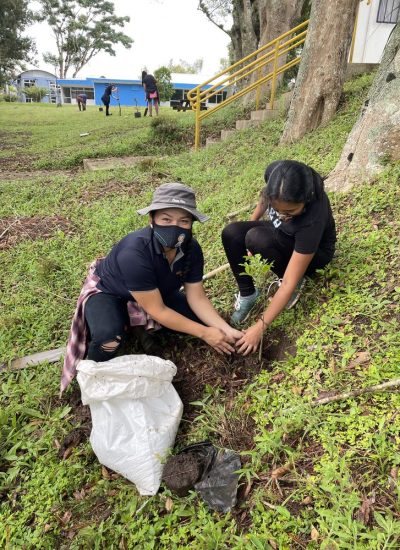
[[313, 477]]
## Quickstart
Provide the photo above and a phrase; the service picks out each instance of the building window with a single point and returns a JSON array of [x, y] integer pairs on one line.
[[388, 11], [179, 95], [28, 83], [217, 98], [88, 91]]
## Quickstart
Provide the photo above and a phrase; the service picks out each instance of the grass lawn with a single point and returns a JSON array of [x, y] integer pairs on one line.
[[338, 486]]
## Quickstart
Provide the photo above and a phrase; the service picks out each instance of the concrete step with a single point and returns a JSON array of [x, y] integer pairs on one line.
[[225, 134], [264, 114], [243, 124], [112, 163], [211, 141]]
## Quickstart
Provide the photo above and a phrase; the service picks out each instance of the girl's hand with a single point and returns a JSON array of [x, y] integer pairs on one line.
[[250, 340], [232, 334], [218, 340]]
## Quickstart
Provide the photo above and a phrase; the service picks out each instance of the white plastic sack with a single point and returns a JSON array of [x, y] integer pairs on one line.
[[135, 414]]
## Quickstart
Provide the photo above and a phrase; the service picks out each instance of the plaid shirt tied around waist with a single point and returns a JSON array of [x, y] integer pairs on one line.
[[78, 335]]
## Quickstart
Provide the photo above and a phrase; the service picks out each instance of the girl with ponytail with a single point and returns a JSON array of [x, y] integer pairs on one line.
[[298, 239]]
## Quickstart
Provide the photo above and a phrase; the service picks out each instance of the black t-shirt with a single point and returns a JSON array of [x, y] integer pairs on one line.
[[312, 230], [137, 263], [108, 91], [150, 82]]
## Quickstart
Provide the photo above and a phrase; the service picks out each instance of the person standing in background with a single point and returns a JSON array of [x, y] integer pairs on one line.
[[106, 97], [149, 84]]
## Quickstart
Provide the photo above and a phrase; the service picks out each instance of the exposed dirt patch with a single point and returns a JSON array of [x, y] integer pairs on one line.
[[114, 187], [19, 228], [44, 175], [198, 366], [15, 164]]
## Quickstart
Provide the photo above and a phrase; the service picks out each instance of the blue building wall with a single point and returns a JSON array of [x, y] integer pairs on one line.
[[129, 91], [39, 78]]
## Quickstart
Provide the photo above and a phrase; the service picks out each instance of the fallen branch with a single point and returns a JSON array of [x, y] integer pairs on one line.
[[232, 215], [8, 228], [345, 395], [51, 356], [215, 271]]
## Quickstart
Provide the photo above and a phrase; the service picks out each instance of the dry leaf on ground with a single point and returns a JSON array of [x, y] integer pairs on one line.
[[314, 534], [361, 358], [280, 472]]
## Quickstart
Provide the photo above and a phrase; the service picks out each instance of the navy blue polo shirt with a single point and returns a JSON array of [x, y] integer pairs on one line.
[[137, 263]]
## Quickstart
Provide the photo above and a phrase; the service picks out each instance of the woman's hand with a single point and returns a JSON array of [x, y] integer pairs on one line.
[[232, 333], [217, 339], [250, 340]]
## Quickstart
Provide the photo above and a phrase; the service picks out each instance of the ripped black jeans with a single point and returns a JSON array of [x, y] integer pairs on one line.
[[107, 319]]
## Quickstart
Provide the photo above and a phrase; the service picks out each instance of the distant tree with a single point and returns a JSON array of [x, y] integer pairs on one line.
[[165, 88], [186, 67], [254, 23], [37, 93], [82, 29], [15, 49], [224, 63]]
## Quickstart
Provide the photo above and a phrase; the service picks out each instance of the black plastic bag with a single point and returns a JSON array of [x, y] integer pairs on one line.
[[210, 472]]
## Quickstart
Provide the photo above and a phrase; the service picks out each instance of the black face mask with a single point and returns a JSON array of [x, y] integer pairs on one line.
[[171, 236]]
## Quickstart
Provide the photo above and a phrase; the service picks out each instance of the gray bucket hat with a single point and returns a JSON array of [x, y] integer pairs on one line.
[[174, 195]]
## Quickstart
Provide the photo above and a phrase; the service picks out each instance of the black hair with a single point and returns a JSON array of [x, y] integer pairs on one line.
[[144, 74], [291, 181]]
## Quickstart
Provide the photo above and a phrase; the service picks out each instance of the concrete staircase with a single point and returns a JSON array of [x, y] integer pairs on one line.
[[256, 118]]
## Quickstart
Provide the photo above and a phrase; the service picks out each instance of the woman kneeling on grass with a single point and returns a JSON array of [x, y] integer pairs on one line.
[[299, 239], [139, 283]]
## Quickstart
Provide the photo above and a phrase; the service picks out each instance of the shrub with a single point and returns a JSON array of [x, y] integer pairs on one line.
[[167, 130], [36, 92], [165, 88], [10, 97]]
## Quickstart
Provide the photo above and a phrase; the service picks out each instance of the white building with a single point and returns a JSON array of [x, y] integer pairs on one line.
[[375, 21]]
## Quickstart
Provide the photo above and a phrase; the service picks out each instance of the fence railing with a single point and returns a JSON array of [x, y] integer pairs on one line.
[[248, 74]]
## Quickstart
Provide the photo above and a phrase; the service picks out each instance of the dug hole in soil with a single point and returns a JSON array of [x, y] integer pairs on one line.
[[198, 366]]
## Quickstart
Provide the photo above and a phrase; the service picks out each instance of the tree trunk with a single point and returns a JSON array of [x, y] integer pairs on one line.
[[276, 17], [375, 137], [243, 33], [323, 67]]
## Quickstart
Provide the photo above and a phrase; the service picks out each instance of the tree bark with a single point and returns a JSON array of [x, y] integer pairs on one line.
[[244, 32], [323, 67], [275, 18], [375, 137]]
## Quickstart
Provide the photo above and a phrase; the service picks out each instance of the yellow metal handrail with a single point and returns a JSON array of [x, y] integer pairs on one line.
[[242, 70]]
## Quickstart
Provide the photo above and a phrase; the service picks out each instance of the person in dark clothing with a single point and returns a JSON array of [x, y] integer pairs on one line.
[[149, 84], [298, 239], [81, 100], [106, 97], [146, 270]]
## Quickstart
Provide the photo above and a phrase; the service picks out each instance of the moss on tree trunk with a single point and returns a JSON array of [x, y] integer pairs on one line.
[[375, 138]]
